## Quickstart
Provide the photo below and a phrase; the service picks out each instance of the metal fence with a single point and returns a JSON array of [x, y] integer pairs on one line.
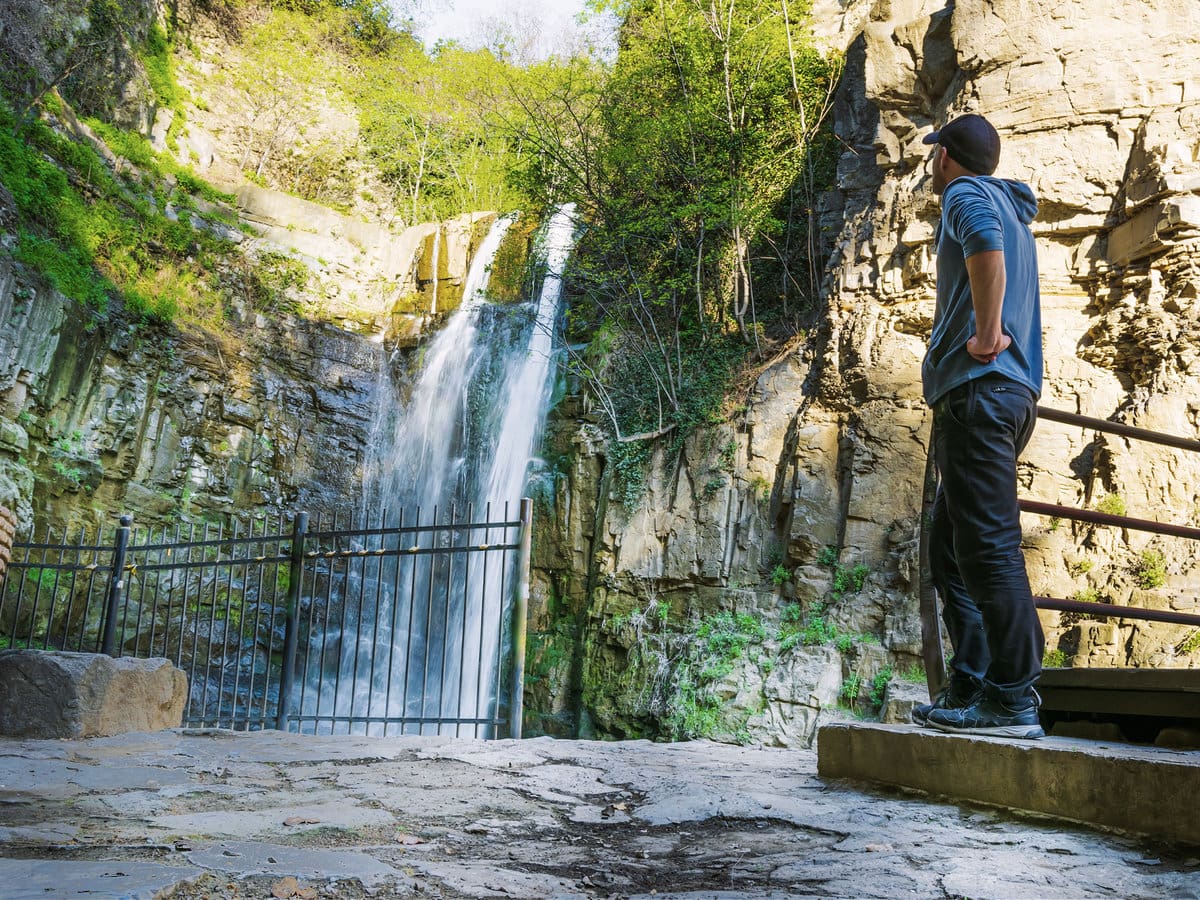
[[392, 626], [932, 650]]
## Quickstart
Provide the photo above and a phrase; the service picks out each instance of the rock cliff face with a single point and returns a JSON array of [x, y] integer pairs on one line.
[[100, 414], [104, 413], [804, 514]]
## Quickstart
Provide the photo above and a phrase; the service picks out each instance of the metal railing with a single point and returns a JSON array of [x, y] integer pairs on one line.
[[373, 627], [932, 651], [1059, 511]]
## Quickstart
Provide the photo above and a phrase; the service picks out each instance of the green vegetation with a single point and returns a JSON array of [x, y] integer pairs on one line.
[[547, 652], [1189, 645], [1087, 595], [426, 132], [780, 575], [696, 159], [849, 579], [1080, 567], [729, 455], [879, 685], [1112, 504], [915, 674], [1054, 659], [1150, 571], [760, 487], [139, 234], [846, 579], [93, 236], [692, 709], [713, 486], [851, 688], [72, 474], [809, 630]]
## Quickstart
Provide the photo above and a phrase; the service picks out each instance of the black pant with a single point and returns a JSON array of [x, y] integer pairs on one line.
[[980, 428]]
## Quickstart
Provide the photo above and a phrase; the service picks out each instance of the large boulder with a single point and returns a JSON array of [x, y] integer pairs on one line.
[[81, 695]]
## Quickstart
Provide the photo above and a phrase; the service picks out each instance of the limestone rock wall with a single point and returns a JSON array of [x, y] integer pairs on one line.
[[101, 414], [808, 506], [107, 415], [367, 276]]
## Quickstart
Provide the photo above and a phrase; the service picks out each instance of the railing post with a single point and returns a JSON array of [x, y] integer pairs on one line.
[[291, 637], [931, 627], [520, 620], [116, 587]]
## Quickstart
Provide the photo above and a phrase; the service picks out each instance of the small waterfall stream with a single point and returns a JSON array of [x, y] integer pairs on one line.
[[457, 449]]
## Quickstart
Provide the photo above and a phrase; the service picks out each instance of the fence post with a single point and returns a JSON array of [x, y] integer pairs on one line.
[[291, 637], [116, 587], [520, 620]]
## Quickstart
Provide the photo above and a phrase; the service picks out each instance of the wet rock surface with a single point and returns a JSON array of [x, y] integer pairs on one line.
[[214, 814]]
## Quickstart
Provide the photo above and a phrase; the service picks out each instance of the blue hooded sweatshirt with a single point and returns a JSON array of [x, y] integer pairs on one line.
[[983, 213]]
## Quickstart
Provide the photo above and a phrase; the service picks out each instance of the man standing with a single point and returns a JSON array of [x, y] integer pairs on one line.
[[982, 376]]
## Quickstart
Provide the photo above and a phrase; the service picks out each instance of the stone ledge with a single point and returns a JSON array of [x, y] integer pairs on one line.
[[1146, 790]]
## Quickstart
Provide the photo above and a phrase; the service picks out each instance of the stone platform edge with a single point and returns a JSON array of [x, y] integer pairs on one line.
[[1143, 790]]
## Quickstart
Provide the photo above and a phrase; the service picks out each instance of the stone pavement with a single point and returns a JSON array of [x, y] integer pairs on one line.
[[193, 814]]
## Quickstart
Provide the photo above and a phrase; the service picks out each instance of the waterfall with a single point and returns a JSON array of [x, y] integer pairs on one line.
[[526, 393], [461, 441], [419, 463], [437, 248]]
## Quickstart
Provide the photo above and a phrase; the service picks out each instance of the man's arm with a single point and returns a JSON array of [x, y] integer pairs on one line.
[[985, 270]]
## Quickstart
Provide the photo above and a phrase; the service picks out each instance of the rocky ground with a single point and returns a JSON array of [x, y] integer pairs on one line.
[[191, 814]]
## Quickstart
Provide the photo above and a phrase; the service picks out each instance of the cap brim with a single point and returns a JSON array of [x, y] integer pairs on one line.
[[932, 138]]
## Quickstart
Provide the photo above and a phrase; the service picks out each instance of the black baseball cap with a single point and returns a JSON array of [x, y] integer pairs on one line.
[[971, 141]]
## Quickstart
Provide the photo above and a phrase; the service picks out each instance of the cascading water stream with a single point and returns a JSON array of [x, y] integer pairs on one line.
[[459, 448]]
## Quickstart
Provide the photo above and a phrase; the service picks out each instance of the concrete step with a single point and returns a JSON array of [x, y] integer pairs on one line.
[[1144, 790]]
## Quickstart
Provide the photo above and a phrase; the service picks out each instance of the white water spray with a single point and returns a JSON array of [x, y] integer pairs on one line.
[[463, 442]]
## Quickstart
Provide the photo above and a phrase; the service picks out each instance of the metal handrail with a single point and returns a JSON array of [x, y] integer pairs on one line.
[[1059, 511], [931, 640], [1108, 610], [1130, 431]]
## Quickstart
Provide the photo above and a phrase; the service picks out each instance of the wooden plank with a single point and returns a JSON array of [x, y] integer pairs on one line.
[[1184, 681], [1161, 704]]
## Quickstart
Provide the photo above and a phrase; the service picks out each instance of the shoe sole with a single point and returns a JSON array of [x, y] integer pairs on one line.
[[1031, 732]]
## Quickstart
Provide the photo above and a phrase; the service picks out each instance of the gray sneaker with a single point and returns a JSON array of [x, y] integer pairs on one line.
[[991, 717], [958, 693]]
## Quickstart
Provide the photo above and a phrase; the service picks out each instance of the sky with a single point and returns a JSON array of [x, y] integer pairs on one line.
[[534, 28]]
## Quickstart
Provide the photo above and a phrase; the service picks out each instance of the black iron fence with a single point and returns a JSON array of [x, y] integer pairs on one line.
[[387, 627]]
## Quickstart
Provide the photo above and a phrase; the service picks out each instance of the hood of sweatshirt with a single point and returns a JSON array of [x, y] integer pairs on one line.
[[1023, 200]]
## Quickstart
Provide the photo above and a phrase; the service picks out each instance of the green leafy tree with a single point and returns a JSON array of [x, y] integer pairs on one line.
[[682, 155], [423, 122]]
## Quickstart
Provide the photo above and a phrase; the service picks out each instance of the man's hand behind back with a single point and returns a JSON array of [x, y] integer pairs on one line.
[[987, 353]]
